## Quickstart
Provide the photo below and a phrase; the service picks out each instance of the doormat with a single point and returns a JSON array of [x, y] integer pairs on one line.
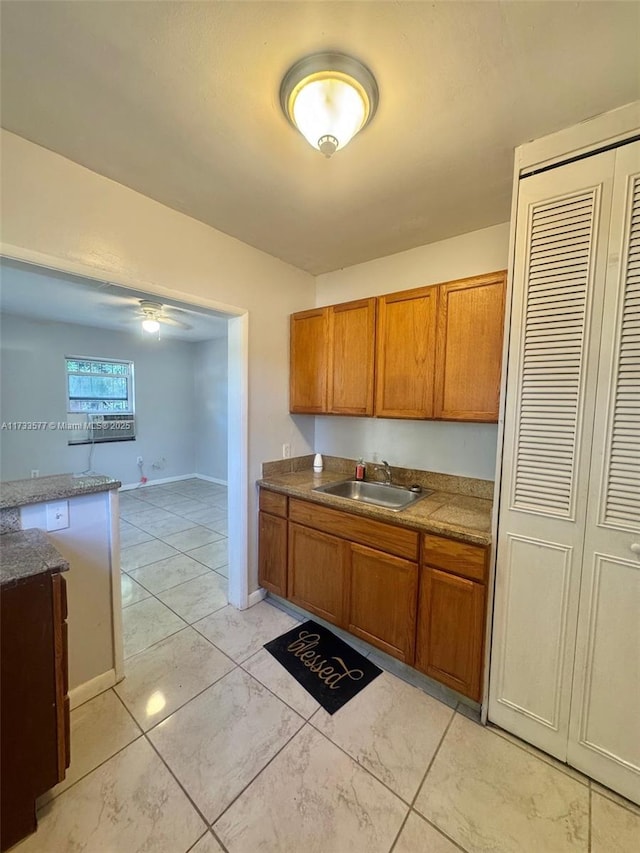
[[329, 669]]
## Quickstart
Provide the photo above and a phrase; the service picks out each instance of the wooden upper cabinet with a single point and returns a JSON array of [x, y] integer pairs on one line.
[[309, 351], [469, 348], [351, 353], [405, 353]]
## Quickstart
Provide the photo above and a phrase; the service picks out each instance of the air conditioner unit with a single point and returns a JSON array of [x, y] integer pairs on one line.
[[112, 427]]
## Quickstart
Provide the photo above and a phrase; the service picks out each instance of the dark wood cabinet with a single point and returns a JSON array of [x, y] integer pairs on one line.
[[309, 350], [469, 348], [383, 601], [34, 710], [451, 613], [317, 573], [405, 353], [421, 600]]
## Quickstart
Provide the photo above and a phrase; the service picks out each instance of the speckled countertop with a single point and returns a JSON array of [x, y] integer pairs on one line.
[[26, 553], [452, 512], [57, 487]]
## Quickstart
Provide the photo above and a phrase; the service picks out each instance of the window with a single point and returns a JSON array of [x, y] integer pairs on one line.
[[97, 386]]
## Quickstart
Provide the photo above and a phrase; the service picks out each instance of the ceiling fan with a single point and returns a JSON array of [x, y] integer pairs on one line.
[[154, 315]]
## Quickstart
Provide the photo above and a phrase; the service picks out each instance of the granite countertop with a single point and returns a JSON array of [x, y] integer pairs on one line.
[[465, 517], [57, 487], [26, 553]]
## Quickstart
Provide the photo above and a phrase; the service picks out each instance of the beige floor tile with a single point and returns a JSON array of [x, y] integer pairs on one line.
[[134, 536], [146, 623], [614, 829], [99, 729], [196, 598], [326, 803], [488, 794], [192, 538], [213, 555], [418, 836], [241, 633], [163, 574], [273, 675], [167, 526], [221, 739], [132, 592], [205, 513], [611, 795], [141, 555], [184, 504], [392, 729], [131, 803], [164, 677], [147, 515], [218, 526], [223, 570], [207, 844]]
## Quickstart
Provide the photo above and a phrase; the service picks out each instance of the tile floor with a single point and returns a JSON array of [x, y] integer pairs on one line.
[[209, 745]]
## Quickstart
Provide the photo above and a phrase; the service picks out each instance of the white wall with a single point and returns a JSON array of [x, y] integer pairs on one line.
[[34, 389], [93, 226], [210, 407], [465, 449]]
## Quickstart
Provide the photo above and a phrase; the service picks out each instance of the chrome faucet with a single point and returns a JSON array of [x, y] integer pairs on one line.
[[386, 470]]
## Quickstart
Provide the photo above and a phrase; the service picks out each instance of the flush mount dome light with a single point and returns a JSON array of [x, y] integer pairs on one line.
[[329, 97]]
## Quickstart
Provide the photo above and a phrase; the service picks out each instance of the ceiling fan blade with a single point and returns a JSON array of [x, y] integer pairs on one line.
[[169, 321]]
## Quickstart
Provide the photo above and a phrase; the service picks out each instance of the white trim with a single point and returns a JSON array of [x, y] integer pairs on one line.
[[257, 596], [211, 479], [237, 460], [116, 586], [604, 129], [90, 689], [127, 487]]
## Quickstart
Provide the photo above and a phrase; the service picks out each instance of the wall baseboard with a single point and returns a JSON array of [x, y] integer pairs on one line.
[[211, 479], [83, 692], [256, 597], [129, 486]]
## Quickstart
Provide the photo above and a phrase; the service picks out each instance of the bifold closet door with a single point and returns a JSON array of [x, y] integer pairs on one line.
[[604, 738], [559, 276]]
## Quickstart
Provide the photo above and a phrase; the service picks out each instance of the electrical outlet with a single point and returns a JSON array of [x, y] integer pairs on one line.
[[58, 515], [35, 472], [286, 451], [139, 460]]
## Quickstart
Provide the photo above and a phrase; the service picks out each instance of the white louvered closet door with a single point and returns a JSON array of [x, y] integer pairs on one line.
[[559, 275], [605, 712]]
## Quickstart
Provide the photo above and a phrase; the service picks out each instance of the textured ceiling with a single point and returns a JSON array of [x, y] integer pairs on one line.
[[50, 296], [180, 102]]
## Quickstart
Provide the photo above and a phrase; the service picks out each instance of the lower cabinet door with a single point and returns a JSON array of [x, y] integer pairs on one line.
[[383, 601], [451, 630], [272, 553], [317, 572]]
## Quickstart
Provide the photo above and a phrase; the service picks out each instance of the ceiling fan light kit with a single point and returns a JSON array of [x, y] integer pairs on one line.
[[329, 97]]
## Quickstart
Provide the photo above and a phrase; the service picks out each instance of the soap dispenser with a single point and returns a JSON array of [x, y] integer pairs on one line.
[[360, 469], [317, 464]]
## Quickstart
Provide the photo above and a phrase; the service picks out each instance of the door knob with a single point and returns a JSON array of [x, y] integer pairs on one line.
[[635, 547]]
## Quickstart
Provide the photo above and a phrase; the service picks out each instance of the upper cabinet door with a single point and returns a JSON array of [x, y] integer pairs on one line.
[[405, 353], [469, 348], [308, 363], [351, 354]]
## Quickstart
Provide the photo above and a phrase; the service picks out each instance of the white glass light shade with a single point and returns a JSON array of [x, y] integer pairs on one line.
[[329, 97], [150, 326], [330, 107]]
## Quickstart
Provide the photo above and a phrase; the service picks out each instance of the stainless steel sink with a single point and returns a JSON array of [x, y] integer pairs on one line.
[[390, 497]]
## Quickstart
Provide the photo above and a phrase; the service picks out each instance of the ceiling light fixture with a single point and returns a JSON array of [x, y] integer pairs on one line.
[[150, 326], [329, 97]]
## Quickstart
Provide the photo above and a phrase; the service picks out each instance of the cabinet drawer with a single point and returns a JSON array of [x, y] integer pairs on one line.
[[364, 531], [468, 561], [273, 502]]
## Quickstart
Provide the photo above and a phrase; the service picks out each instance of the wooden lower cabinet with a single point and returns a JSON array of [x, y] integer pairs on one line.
[[317, 573], [382, 604], [34, 712], [451, 614], [272, 553]]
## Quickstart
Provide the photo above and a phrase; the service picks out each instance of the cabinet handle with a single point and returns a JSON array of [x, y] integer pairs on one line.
[[635, 547]]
